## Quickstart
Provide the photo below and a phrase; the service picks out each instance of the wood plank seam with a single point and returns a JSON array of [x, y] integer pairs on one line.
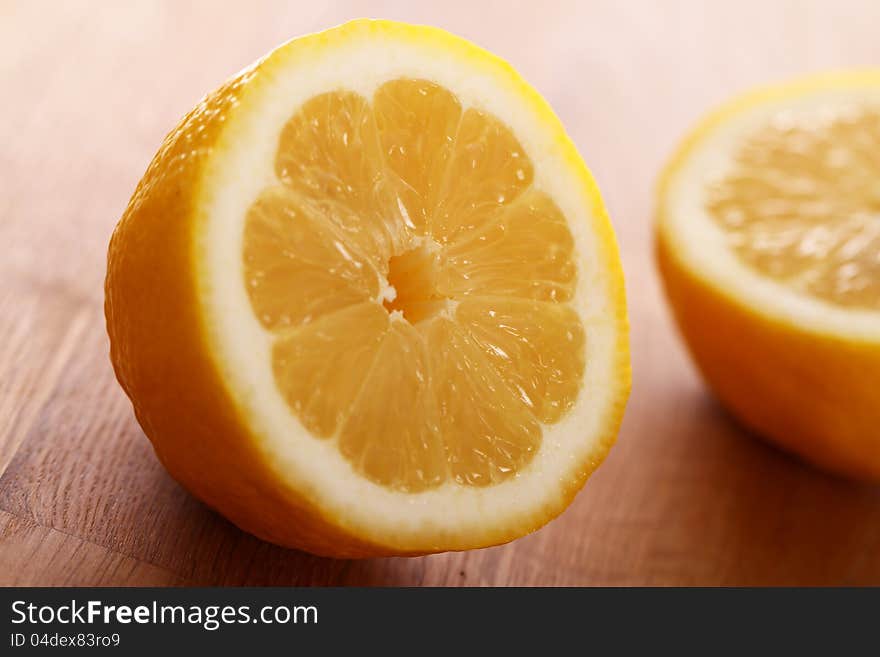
[[112, 550]]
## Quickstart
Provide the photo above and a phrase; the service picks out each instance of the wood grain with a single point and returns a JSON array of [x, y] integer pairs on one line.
[[686, 497]]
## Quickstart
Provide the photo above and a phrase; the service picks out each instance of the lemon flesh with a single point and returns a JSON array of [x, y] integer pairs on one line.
[[801, 204], [417, 287]]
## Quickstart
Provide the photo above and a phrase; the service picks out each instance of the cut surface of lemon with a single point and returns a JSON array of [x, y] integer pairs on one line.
[[769, 244], [366, 300]]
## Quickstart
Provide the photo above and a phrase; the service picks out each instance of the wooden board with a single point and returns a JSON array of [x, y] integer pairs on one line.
[[686, 497]]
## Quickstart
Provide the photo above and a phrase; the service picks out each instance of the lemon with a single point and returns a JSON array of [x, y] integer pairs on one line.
[[367, 301], [768, 240]]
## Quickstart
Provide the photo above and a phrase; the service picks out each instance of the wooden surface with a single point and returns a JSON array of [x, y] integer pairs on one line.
[[686, 497]]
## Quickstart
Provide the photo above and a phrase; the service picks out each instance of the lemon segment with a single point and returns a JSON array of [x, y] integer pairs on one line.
[[418, 122]]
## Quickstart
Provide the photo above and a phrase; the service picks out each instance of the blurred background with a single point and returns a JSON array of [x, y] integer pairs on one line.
[[686, 497]]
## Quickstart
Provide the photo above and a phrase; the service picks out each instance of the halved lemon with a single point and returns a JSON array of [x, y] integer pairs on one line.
[[769, 245], [366, 299]]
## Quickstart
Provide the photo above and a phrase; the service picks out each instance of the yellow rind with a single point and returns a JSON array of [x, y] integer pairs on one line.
[[164, 353], [805, 388]]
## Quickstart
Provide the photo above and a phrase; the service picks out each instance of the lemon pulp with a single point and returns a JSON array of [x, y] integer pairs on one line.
[[417, 285], [801, 204]]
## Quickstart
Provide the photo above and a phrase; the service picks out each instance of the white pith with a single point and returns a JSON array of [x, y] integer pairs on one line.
[[701, 244], [314, 467]]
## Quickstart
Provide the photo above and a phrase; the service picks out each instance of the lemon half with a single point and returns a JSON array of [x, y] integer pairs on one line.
[[769, 245], [366, 300]]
